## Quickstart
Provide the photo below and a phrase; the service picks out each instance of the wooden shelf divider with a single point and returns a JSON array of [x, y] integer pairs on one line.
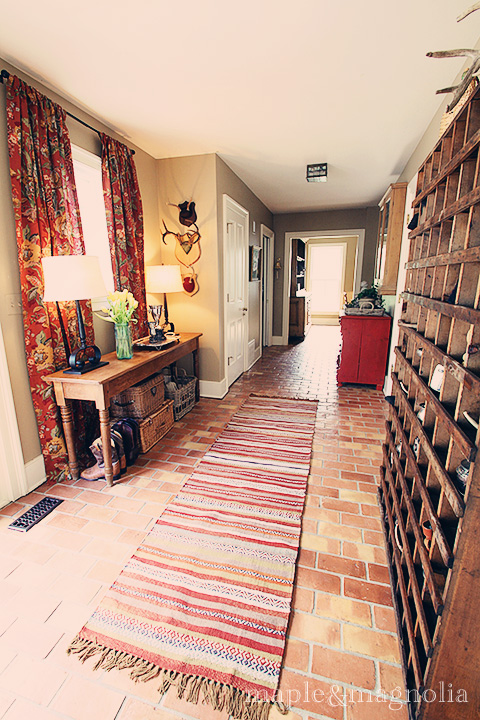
[[468, 447]]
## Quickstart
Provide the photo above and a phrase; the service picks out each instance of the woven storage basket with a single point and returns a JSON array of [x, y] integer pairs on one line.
[[155, 426], [184, 397], [140, 400], [449, 117], [366, 311]]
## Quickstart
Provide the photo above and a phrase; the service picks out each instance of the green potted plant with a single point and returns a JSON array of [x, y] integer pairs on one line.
[[367, 302]]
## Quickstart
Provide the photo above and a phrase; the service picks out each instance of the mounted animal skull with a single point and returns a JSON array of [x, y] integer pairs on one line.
[[187, 252], [187, 248], [187, 215]]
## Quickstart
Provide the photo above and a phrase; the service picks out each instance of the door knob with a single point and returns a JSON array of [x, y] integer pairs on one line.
[[244, 310]]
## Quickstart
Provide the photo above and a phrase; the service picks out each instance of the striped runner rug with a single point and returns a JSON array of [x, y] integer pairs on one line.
[[204, 602]]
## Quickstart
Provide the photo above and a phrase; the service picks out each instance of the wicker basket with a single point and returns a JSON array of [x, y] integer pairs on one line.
[[184, 396], [155, 426], [140, 400], [364, 311], [449, 117]]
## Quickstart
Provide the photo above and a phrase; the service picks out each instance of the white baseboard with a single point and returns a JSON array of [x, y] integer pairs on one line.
[[211, 389], [278, 340], [253, 354], [326, 321], [35, 473]]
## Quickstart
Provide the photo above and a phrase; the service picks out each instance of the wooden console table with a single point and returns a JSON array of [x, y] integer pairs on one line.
[[102, 384]]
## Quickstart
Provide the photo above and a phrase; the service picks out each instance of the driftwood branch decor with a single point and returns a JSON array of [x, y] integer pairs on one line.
[[468, 12], [460, 89]]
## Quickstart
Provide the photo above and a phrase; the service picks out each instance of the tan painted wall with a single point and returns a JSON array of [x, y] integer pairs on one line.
[[357, 218], [12, 325], [230, 184], [193, 178], [205, 179]]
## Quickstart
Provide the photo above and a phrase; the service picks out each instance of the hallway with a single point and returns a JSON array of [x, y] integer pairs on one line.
[[342, 657]]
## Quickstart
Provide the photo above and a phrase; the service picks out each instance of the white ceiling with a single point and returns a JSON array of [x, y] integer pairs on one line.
[[270, 85]]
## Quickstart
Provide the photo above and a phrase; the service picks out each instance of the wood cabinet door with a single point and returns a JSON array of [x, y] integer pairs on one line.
[[373, 350], [350, 353]]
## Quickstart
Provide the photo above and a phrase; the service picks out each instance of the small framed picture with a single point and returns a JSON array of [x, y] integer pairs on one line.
[[255, 262]]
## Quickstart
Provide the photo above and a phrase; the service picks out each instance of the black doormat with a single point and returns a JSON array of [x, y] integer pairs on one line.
[[35, 514]]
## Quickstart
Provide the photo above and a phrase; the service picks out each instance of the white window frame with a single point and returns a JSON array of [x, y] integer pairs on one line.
[[84, 157]]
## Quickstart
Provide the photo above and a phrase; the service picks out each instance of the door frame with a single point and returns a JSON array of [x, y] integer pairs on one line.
[[14, 483], [267, 282], [230, 203], [287, 263]]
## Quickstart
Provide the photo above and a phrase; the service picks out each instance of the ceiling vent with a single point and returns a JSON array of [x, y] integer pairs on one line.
[[317, 173]]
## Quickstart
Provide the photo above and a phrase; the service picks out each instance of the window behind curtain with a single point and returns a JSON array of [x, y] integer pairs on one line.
[[88, 178]]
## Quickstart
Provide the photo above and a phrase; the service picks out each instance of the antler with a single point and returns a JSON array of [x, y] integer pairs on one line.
[[468, 12], [474, 68], [190, 233], [167, 232]]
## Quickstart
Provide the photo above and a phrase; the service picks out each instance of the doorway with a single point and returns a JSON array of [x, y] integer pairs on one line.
[[15, 482], [330, 271], [236, 221], [266, 305], [354, 261], [325, 281]]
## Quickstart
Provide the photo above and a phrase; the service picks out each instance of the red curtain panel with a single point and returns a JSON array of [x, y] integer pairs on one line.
[[123, 206], [47, 221]]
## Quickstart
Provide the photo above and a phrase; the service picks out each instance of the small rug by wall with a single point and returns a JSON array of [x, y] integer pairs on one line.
[[204, 602]]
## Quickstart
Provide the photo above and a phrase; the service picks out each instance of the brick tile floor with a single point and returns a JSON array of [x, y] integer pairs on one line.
[[342, 656]]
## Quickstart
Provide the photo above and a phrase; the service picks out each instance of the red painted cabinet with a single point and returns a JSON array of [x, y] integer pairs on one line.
[[363, 357]]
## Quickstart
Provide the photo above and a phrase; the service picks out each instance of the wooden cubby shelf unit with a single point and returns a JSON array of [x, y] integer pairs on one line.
[[430, 477]]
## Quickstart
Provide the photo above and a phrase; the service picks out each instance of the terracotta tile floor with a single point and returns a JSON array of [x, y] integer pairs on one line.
[[342, 658]]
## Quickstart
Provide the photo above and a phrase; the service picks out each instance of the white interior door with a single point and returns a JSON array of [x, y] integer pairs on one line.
[[236, 288], [267, 285]]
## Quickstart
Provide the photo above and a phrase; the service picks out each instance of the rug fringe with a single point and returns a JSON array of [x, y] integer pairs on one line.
[[194, 688]]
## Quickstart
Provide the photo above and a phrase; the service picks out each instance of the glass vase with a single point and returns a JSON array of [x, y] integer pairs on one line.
[[123, 341]]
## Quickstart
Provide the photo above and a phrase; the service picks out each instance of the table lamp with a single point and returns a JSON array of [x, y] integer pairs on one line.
[[75, 277], [162, 279]]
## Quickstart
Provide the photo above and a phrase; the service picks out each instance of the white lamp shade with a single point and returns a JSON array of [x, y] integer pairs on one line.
[[163, 279], [72, 277]]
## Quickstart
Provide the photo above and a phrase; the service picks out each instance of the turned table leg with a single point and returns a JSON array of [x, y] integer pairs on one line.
[[67, 421], [106, 444]]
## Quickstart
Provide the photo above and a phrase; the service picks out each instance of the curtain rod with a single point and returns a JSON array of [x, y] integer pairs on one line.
[[4, 75]]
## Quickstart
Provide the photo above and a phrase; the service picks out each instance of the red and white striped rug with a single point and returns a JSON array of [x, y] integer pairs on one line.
[[204, 602]]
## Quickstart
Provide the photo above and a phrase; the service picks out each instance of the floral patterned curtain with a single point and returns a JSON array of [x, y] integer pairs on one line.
[[123, 206], [47, 221]]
